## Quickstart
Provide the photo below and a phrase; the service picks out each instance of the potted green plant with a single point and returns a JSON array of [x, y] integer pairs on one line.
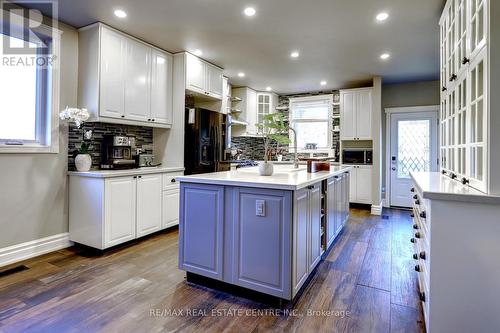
[[83, 160], [274, 130]]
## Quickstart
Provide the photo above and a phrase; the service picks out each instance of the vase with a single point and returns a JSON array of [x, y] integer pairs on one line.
[[83, 162], [266, 168]]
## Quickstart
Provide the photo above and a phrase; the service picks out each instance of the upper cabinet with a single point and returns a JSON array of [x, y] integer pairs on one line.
[[203, 78], [251, 106], [467, 126], [122, 79], [356, 114]]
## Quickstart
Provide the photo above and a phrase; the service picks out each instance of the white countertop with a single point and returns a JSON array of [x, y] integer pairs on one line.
[[249, 177], [434, 185], [128, 172]]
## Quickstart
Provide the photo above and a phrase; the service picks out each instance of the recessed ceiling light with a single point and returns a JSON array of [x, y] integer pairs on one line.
[[385, 56], [294, 54], [120, 13], [269, 88], [323, 83], [198, 52], [249, 11], [382, 16], [241, 74]]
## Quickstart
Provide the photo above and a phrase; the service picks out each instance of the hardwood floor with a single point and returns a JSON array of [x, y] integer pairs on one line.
[[367, 284]]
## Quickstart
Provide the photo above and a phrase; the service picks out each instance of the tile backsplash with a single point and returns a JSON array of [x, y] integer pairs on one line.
[[143, 136]]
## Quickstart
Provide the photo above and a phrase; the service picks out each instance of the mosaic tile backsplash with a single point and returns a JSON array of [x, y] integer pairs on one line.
[[253, 147], [143, 136]]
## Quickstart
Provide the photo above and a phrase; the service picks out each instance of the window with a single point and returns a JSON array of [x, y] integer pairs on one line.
[[28, 92], [311, 119]]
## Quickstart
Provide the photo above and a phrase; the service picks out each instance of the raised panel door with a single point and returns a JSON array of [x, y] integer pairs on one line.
[[364, 184], [364, 115], [315, 226], [149, 204], [161, 87], [137, 81], [119, 210], [195, 74], [170, 208], [112, 91], [300, 239], [214, 81], [347, 115], [201, 229], [332, 212]]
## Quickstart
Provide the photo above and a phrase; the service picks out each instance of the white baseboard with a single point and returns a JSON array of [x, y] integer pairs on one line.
[[15, 253], [376, 209]]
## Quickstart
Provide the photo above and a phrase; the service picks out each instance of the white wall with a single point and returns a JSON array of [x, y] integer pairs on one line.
[[406, 94], [33, 187]]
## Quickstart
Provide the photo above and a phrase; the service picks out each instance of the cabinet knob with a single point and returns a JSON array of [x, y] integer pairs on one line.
[[152, 119], [443, 89], [465, 181], [423, 215], [139, 176], [412, 189], [422, 255], [417, 235], [415, 226], [413, 240], [453, 176], [415, 197], [453, 77], [123, 116], [134, 177], [465, 60], [417, 202], [173, 180], [421, 296], [417, 268], [310, 187], [149, 119], [415, 256], [443, 172], [412, 215]]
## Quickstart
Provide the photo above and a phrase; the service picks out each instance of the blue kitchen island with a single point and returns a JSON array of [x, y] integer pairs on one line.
[[263, 233]]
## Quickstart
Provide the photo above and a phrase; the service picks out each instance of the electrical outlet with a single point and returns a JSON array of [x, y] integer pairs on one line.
[[260, 208]]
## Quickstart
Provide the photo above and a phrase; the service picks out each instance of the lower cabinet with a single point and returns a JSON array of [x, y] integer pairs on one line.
[[104, 212], [306, 234], [361, 184], [337, 206]]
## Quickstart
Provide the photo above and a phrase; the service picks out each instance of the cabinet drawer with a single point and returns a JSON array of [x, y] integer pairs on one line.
[[169, 180]]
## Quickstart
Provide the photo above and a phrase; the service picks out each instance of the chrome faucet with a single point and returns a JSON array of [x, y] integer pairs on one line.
[[295, 158]]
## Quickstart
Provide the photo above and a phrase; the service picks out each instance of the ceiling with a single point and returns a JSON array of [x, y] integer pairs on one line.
[[339, 40]]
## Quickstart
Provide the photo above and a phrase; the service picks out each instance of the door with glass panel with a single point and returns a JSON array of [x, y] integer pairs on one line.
[[413, 148]]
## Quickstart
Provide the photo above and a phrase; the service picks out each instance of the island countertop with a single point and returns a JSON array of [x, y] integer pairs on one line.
[[284, 178]]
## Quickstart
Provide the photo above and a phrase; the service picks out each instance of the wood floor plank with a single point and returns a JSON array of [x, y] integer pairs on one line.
[[370, 311], [406, 320], [376, 269], [404, 282]]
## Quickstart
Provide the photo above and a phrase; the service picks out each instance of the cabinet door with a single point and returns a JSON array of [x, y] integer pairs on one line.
[[332, 212], [201, 229], [251, 112], [345, 196], [195, 74], [347, 115], [170, 208], [137, 81], [315, 226], [364, 115], [226, 95], [261, 240], [300, 239], [353, 185], [364, 184], [149, 199], [339, 223], [112, 91], [119, 210], [214, 81], [478, 25], [161, 87]]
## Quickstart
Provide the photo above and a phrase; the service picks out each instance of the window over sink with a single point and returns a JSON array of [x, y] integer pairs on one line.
[[311, 117]]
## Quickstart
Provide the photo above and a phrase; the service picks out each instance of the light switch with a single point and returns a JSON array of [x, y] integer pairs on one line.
[[260, 208]]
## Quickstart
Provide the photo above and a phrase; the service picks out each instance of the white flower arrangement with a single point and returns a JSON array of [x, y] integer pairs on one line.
[[76, 115]]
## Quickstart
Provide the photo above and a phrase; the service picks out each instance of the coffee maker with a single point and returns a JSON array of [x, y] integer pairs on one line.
[[116, 152]]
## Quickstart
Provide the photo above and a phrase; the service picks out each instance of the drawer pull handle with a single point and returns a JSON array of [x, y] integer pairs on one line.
[[417, 202], [417, 235], [413, 240], [172, 180], [423, 215], [422, 255], [412, 215], [415, 197], [465, 60], [415, 226], [415, 256], [417, 268], [421, 296], [465, 181], [412, 189], [443, 89]]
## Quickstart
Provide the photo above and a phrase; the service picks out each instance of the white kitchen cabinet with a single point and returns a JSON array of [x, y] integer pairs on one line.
[[315, 225], [137, 81], [266, 104], [356, 114], [112, 80], [360, 184], [149, 204], [107, 211], [122, 79], [337, 211], [119, 210], [161, 87], [225, 107], [254, 105], [203, 78]]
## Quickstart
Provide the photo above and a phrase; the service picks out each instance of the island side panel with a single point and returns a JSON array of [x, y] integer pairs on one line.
[[261, 222], [201, 227]]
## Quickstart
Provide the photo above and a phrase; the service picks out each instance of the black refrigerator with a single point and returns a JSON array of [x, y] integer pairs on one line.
[[205, 142]]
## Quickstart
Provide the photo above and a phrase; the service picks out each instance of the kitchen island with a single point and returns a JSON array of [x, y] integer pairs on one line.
[[262, 233]]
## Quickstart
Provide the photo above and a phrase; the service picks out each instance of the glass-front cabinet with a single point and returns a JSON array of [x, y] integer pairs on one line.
[[464, 103]]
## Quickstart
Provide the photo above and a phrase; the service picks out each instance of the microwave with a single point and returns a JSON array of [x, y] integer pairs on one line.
[[357, 156]]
